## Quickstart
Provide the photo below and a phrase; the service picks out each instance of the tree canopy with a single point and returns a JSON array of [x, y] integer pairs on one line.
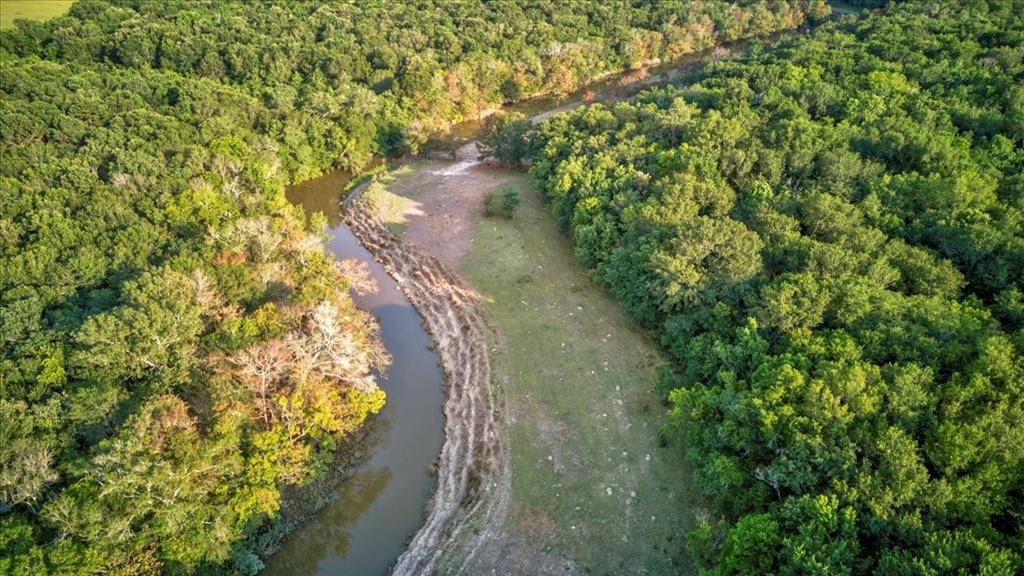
[[177, 348], [828, 237]]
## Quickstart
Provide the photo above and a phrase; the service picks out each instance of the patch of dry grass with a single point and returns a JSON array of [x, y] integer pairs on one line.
[[393, 209], [10, 10]]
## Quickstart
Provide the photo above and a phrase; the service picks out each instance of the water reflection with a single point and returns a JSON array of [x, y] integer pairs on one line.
[[329, 536], [322, 194]]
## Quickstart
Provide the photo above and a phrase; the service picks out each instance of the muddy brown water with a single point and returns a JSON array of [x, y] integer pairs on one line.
[[367, 524], [374, 513]]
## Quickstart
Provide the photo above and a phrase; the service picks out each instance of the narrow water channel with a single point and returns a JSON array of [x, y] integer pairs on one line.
[[366, 525]]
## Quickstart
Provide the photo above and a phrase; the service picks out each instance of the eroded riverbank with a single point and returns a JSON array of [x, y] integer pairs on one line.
[[474, 457]]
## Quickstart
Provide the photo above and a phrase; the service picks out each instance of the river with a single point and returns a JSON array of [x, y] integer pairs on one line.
[[366, 525]]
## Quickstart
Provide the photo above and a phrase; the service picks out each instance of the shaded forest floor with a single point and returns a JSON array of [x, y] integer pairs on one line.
[[592, 491]]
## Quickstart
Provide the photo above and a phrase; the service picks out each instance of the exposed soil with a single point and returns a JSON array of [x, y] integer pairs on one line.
[[474, 459], [448, 232]]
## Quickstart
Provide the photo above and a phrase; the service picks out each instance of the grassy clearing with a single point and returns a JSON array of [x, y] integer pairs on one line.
[[10, 10], [592, 490], [840, 8], [591, 485], [393, 209]]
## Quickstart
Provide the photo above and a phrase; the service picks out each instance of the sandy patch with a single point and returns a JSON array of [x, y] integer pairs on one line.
[[447, 196]]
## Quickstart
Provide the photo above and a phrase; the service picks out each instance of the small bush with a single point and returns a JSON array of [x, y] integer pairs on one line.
[[501, 202]]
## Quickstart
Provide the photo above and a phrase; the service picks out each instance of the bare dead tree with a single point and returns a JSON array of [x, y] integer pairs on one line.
[[263, 366], [328, 351], [770, 477], [24, 473]]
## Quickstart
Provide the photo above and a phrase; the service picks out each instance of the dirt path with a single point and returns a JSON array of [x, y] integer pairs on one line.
[[473, 486]]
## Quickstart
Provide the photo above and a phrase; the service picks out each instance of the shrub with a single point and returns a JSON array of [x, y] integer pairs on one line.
[[502, 202]]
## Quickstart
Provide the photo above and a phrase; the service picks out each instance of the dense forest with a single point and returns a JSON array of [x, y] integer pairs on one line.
[[178, 350], [342, 81], [828, 237]]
